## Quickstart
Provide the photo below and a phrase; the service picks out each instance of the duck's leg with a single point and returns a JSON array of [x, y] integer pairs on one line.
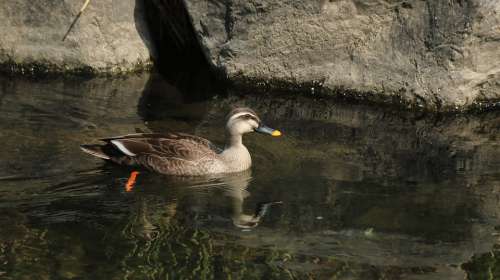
[[131, 181]]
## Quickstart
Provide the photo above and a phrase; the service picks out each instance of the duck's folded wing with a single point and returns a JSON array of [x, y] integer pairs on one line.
[[181, 137], [185, 147], [138, 135]]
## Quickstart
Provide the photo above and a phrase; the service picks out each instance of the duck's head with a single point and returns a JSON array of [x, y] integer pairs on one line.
[[245, 120]]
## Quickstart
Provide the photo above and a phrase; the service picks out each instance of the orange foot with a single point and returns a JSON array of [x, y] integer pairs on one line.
[[131, 181]]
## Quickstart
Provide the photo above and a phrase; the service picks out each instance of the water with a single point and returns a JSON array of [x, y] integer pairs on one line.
[[366, 193]]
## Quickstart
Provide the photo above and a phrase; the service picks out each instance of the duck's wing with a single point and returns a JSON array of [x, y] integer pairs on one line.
[[169, 145]]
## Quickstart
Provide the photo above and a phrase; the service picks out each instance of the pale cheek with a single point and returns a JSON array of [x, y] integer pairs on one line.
[[253, 126], [248, 128]]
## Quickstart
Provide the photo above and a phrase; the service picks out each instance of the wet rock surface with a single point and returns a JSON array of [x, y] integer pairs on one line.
[[109, 37], [434, 54]]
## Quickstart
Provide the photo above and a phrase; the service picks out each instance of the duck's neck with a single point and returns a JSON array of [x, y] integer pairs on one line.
[[235, 154], [235, 140]]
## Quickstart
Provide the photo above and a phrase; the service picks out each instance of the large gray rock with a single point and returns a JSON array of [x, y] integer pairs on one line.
[[434, 53], [109, 37]]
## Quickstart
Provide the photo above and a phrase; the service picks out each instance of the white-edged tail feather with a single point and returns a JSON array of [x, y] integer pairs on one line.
[[95, 152]]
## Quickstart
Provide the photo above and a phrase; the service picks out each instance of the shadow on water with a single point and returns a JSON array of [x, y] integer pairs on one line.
[[367, 193]]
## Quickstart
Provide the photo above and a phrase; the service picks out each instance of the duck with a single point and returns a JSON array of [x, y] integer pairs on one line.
[[182, 154]]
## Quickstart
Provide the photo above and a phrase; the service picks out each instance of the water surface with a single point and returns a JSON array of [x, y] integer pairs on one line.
[[366, 193]]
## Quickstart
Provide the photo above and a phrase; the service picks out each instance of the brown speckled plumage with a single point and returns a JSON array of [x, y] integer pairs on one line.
[[180, 153]]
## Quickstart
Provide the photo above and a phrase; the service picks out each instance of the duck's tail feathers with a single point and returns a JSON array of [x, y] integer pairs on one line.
[[95, 150]]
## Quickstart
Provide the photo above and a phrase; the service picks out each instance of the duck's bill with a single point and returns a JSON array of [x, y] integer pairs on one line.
[[267, 130]]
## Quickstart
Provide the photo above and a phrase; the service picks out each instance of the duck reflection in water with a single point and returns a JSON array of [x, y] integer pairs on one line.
[[193, 194], [236, 188]]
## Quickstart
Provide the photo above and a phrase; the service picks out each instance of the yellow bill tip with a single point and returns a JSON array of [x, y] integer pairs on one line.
[[276, 133]]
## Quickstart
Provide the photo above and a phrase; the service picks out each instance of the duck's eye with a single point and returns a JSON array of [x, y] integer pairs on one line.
[[246, 117]]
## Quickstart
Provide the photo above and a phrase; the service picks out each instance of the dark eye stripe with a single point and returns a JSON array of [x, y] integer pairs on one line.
[[249, 117]]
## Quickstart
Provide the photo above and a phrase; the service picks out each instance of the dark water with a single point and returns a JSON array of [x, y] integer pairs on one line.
[[366, 194]]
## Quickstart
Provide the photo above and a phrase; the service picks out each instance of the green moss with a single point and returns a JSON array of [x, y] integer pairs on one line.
[[486, 266], [315, 89], [47, 69], [399, 100]]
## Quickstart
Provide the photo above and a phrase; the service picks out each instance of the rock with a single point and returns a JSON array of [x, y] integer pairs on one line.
[[109, 37], [435, 54]]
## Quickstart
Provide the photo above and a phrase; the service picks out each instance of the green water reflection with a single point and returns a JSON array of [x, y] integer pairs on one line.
[[367, 194]]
